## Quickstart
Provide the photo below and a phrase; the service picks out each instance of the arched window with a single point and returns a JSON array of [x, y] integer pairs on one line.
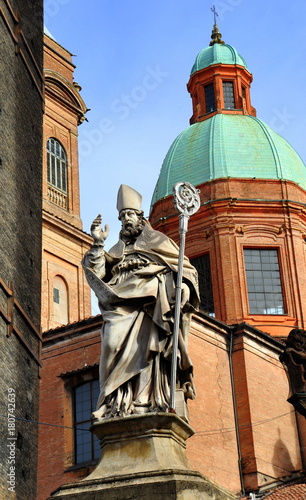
[[57, 165], [87, 447], [60, 301]]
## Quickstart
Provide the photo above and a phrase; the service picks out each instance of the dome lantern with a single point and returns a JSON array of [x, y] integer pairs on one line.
[[220, 81]]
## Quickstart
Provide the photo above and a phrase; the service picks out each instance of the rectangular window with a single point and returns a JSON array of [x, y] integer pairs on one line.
[[202, 265], [56, 297], [210, 103], [87, 448], [263, 281], [228, 95]]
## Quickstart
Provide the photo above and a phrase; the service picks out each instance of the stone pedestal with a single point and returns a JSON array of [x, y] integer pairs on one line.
[[142, 456]]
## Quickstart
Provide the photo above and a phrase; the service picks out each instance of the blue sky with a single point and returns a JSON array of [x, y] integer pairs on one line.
[[133, 61]]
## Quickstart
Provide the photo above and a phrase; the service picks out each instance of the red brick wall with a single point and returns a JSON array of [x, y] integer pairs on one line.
[[217, 74], [74, 351], [267, 422], [246, 214], [212, 450], [57, 58], [64, 242], [268, 432]]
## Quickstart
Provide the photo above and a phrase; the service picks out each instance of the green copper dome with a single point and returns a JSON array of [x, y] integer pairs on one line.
[[217, 54], [225, 145]]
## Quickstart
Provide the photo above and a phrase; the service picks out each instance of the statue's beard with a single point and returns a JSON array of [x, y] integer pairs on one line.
[[132, 230]]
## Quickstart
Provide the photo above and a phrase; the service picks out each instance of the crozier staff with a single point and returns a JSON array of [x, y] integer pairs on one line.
[[135, 286]]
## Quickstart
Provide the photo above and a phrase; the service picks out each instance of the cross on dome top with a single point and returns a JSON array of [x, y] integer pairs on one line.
[[216, 36], [213, 9]]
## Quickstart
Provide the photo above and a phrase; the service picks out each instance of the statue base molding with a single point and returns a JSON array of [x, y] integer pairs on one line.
[[143, 456]]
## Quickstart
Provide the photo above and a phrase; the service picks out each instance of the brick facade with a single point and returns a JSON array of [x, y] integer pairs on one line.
[[70, 357], [21, 90], [237, 214], [245, 377], [64, 242]]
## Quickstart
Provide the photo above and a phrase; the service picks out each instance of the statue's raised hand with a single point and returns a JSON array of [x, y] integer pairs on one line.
[[99, 236]]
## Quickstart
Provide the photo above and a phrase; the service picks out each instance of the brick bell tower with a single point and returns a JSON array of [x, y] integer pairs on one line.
[[65, 294], [248, 238]]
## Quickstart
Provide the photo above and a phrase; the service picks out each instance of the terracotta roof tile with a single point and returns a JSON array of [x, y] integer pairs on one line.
[[292, 492]]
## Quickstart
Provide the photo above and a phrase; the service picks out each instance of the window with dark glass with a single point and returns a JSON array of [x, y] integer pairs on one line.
[[57, 165], [202, 265], [210, 103], [228, 95], [264, 281], [56, 295], [87, 448]]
